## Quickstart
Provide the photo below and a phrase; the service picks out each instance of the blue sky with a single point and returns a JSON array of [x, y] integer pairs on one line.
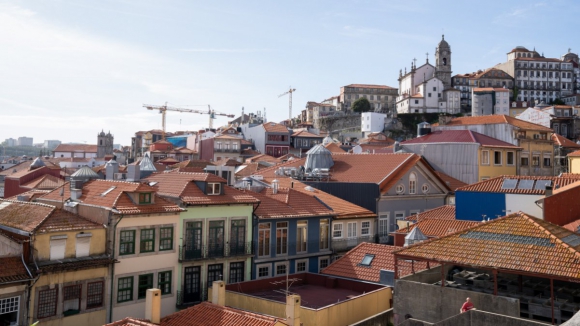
[[70, 68]]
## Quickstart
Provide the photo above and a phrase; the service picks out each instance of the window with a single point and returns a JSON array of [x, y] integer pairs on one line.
[[145, 198], [367, 260], [145, 283], [425, 188], [213, 188], [323, 236], [72, 298], [95, 294], [164, 282], [323, 262], [166, 238], [281, 238], [416, 101], [301, 266], [510, 158], [497, 158], [399, 215], [412, 183], [147, 240], [57, 246], [301, 236], [384, 225], [236, 272], [434, 89], [9, 307], [351, 230], [281, 268], [47, 300], [263, 271], [400, 189], [564, 130], [127, 245], [337, 230], [83, 244], [125, 289], [264, 239], [524, 161], [429, 94], [365, 228], [547, 160], [535, 160], [485, 157]]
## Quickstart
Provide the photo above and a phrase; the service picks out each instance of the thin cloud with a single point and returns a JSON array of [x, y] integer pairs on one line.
[[225, 50]]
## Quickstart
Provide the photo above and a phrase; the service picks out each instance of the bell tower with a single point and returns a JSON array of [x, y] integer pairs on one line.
[[443, 62]]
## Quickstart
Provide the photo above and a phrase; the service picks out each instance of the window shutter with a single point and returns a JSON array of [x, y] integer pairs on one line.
[[83, 246], [57, 247]]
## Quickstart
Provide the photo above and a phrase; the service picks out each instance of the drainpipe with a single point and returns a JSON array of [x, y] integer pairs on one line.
[[113, 267]]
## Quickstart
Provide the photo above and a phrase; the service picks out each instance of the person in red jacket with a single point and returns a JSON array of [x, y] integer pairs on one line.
[[467, 305]]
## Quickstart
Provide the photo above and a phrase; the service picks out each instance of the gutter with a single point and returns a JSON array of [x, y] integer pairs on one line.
[[113, 266]]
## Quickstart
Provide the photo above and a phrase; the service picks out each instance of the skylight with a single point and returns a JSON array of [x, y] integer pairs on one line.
[[108, 191], [367, 260]]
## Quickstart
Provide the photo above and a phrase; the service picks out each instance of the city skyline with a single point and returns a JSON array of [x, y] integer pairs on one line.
[[73, 68]]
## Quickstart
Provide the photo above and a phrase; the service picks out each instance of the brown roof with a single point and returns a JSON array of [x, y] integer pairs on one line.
[[495, 184], [262, 158], [12, 270], [438, 227], [495, 119], [275, 127], [130, 321], [46, 181], [334, 148], [564, 142], [24, 216], [227, 162], [193, 164], [306, 134], [445, 212], [30, 194], [349, 265], [207, 313], [516, 243], [61, 220], [451, 181], [76, 148], [370, 86], [573, 226], [249, 169], [289, 203], [575, 154]]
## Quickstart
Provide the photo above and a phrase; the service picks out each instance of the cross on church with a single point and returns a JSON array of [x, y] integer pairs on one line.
[[414, 62], [427, 54]]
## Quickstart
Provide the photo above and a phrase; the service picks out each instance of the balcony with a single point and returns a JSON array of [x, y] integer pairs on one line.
[[187, 299], [215, 251], [225, 150], [346, 244]]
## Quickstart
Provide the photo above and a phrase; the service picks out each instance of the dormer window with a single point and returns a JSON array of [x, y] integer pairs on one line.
[[367, 260], [145, 198], [214, 188]]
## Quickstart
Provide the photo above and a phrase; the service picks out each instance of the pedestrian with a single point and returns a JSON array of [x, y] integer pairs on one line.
[[467, 305]]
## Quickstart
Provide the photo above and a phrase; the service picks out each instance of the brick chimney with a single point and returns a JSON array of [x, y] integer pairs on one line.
[[153, 305], [293, 310], [218, 293]]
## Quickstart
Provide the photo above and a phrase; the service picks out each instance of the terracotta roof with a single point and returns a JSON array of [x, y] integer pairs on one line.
[[169, 160], [130, 321], [459, 136], [263, 158], [227, 162], [575, 154], [418, 95], [46, 181], [495, 184], [289, 203], [61, 220], [76, 148], [349, 265], [342, 208], [517, 243], [182, 185], [275, 127], [12, 270], [451, 181], [445, 212], [539, 59], [193, 164], [334, 148], [306, 134], [207, 313], [23, 215], [30, 194], [435, 227], [494, 119], [225, 136], [247, 169], [564, 142], [573, 226], [370, 86]]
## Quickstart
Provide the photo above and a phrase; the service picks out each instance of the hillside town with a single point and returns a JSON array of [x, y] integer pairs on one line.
[[448, 199]]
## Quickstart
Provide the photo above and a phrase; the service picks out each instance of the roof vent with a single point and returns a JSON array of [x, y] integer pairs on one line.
[[415, 236]]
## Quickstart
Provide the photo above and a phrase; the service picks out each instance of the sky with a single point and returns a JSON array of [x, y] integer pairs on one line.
[[71, 68]]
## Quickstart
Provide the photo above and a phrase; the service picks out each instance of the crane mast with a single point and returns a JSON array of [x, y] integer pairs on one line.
[[289, 92]]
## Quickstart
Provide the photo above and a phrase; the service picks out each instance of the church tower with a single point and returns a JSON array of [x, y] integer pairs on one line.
[[104, 144], [443, 62]]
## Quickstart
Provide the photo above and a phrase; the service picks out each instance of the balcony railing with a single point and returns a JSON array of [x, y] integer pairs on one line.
[[349, 243], [186, 299], [292, 247], [214, 251]]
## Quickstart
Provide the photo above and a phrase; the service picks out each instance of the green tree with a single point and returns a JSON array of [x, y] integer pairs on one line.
[[361, 105], [557, 102]]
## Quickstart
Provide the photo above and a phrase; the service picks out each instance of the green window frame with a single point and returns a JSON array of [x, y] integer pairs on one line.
[[145, 198], [127, 242], [164, 282], [125, 289], [145, 283], [147, 240], [166, 238]]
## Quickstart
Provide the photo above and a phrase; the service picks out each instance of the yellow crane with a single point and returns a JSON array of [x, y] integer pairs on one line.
[[292, 90], [164, 108]]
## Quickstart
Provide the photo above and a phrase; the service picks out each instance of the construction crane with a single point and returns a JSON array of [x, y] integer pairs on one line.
[[164, 108], [292, 90]]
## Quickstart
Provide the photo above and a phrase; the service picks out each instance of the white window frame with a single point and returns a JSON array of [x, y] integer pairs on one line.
[[211, 188], [296, 265], [412, 183], [298, 229], [400, 188], [341, 229], [268, 266], [425, 188], [322, 258], [401, 214], [351, 230], [5, 303], [281, 263], [484, 154], [362, 228], [383, 218]]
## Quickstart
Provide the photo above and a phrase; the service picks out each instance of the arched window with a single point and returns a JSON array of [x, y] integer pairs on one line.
[[412, 183], [445, 61], [101, 142]]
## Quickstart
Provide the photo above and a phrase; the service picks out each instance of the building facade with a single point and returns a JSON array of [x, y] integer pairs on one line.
[[489, 100], [381, 97]]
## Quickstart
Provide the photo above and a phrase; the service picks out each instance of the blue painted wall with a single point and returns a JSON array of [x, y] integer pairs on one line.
[[472, 205]]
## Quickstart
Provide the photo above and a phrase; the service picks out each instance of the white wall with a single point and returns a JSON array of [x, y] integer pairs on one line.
[[525, 203], [372, 122], [535, 116]]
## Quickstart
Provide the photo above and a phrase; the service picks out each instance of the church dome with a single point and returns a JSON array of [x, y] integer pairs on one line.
[[102, 134], [443, 43]]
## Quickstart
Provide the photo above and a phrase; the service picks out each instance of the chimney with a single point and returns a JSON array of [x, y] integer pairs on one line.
[[293, 310], [133, 172], [111, 168], [548, 192], [153, 305], [218, 293], [275, 186]]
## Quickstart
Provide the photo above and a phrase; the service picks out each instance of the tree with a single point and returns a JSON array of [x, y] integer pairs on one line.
[[361, 105], [557, 102]]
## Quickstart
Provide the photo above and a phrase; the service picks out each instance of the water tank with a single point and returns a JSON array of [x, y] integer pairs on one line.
[[423, 128]]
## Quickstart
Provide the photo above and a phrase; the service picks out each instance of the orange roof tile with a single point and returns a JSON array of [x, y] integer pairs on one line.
[[573, 226], [76, 148], [495, 184], [249, 169], [61, 220], [30, 194], [12, 270], [574, 154], [564, 142], [24, 216], [445, 212], [289, 203], [495, 119], [275, 127], [262, 158], [516, 243], [334, 148], [349, 265], [304, 133], [435, 227], [451, 181], [46, 181], [459, 136]]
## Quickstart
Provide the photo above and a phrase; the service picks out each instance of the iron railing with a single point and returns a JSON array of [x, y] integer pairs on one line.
[[214, 251], [349, 243]]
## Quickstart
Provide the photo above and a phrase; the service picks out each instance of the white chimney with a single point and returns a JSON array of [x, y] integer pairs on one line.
[[275, 186], [293, 310], [218, 293], [153, 305]]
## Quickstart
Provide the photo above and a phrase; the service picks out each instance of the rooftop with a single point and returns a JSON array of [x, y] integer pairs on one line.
[[459, 136], [494, 119], [370, 86], [13, 270], [435, 228], [275, 127], [519, 184], [450, 181], [76, 148], [560, 140], [306, 134], [445, 212], [289, 203]]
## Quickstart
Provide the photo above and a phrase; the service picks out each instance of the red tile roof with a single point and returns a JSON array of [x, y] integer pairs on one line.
[[249, 169], [435, 228], [334, 148], [574, 154], [275, 127], [262, 158], [76, 148], [349, 265], [46, 181], [516, 243], [130, 321], [370, 86], [495, 184], [573, 226], [207, 313], [12, 270], [445, 212], [564, 142], [304, 133], [31, 195], [61, 220], [451, 181], [289, 203], [495, 119], [459, 136], [24, 216]]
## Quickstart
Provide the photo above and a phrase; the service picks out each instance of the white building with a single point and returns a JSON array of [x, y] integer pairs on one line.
[[372, 122], [427, 89], [381, 97], [24, 141], [50, 144], [10, 142], [490, 100]]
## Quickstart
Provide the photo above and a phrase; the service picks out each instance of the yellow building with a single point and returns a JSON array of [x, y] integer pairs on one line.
[[574, 162], [67, 255]]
